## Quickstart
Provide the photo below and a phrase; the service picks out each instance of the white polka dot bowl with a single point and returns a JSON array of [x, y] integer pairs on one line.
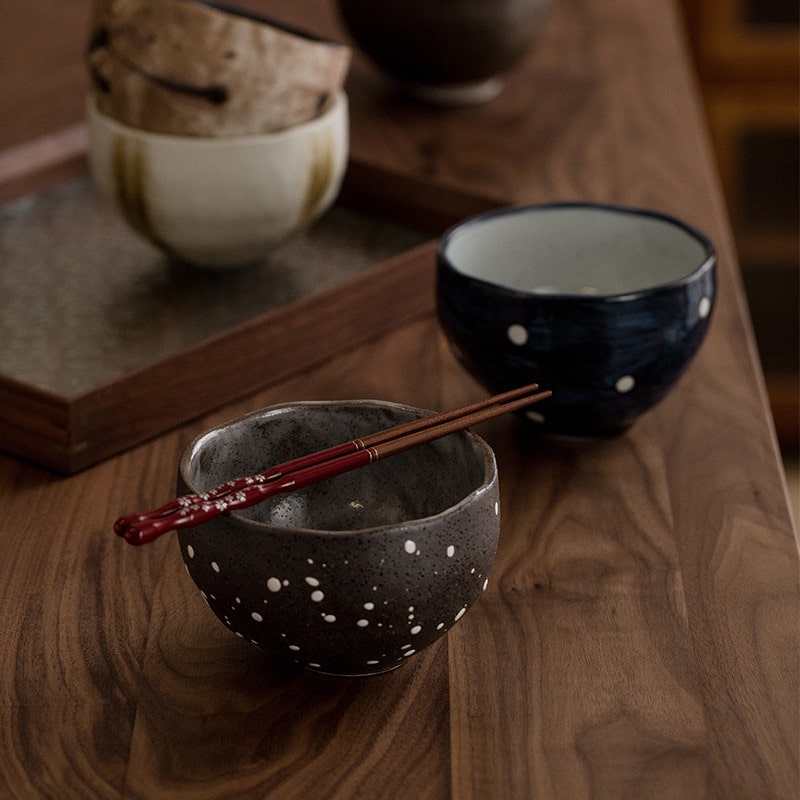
[[354, 575], [220, 202], [604, 305]]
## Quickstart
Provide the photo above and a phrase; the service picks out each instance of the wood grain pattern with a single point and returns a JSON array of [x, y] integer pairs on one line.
[[640, 634], [640, 724], [203, 688], [41, 60]]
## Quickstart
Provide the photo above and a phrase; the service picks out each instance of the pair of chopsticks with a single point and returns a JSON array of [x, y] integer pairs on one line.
[[194, 509]]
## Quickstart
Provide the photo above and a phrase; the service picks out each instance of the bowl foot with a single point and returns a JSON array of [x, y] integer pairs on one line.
[[355, 673], [455, 94]]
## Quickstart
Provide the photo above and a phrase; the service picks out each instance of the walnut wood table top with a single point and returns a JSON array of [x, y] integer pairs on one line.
[[639, 635]]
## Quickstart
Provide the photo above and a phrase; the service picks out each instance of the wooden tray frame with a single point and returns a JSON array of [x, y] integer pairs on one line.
[[68, 434]]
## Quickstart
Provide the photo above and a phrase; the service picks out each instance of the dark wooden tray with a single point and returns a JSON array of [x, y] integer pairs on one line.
[[105, 343]]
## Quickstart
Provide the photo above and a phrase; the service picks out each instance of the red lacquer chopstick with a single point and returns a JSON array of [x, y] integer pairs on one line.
[[182, 504], [298, 473]]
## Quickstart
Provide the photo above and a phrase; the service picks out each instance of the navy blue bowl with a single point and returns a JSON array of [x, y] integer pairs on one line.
[[604, 305]]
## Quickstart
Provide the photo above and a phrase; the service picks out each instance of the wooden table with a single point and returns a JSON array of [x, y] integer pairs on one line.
[[639, 637]]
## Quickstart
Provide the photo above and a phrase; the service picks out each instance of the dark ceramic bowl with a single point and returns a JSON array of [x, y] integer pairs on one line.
[[453, 52], [605, 306], [353, 575]]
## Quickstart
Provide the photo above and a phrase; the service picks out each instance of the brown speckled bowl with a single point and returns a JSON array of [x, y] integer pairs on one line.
[[354, 575]]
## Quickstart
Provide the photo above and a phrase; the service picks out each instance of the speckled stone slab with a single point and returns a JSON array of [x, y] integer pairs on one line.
[[86, 301]]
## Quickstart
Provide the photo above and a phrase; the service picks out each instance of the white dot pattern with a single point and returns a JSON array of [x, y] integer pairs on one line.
[[517, 334], [417, 621], [625, 384]]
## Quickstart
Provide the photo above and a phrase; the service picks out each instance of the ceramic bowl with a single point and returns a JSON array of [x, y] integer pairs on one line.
[[354, 575], [447, 53], [220, 202], [193, 68], [605, 306]]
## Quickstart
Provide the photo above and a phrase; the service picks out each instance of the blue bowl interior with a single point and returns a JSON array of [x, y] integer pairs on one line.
[[419, 483]]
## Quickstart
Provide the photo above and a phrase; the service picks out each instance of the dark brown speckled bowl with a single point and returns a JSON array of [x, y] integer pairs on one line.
[[354, 575]]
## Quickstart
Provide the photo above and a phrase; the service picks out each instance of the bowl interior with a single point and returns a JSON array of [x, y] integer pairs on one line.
[[418, 483], [575, 250]]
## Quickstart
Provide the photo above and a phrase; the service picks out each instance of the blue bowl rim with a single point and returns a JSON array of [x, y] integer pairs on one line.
[[190, 451], [708, 264]]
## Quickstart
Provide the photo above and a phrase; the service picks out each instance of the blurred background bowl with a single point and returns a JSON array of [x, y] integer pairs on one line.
[[445, 52], [605, 306], [356, 574], [220, 202]]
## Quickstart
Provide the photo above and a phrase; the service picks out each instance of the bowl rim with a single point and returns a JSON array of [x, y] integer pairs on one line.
[[190, 451], [228, 9], [707, 265], [339, 107]]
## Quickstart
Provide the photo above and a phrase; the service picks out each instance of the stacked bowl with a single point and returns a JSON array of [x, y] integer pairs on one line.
[[216, 133]]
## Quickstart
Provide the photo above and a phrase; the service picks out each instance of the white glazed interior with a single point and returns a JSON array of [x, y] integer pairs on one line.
[[575, 250]]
